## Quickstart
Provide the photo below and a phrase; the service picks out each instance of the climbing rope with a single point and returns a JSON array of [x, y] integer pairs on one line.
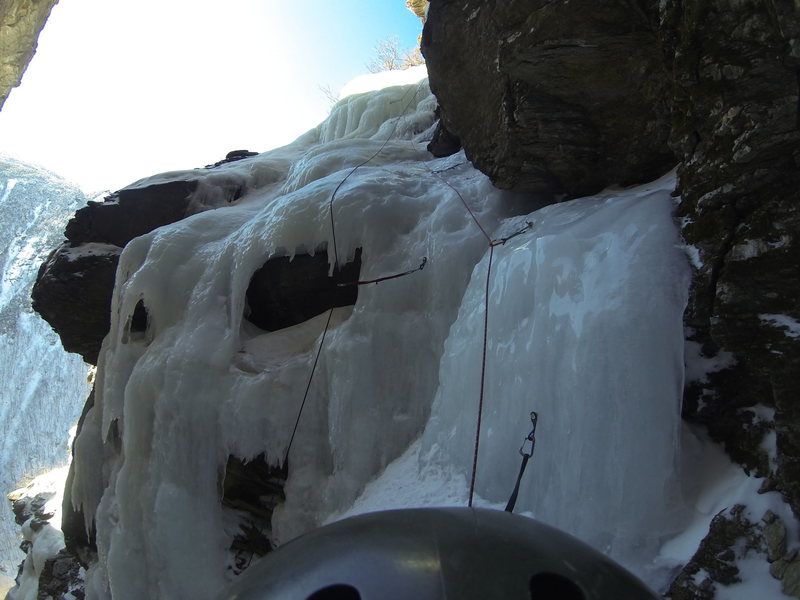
[[492, 244], [483, 376], [464, 202], [308, 387], [336, 263]]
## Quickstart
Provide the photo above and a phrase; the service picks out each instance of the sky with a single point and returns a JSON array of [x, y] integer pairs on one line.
[[123, 89]]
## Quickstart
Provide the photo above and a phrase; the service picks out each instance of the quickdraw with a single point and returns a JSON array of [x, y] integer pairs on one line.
[[526, 456], [501, 241], [388, 277]]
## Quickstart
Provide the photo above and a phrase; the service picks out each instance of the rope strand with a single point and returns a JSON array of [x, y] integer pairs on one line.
[[336, 263], [358, 166], [483, 376], [481, 396], [308, 386], [464, 202]]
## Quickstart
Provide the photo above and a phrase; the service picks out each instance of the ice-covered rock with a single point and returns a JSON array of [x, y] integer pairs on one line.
[[73, 288]]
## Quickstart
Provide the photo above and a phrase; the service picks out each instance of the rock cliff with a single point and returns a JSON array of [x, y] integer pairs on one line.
[[20, 24], [735, 129], [557, 97]]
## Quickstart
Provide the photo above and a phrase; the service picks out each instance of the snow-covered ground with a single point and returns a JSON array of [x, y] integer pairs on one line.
[[585, 327], [46, 540]]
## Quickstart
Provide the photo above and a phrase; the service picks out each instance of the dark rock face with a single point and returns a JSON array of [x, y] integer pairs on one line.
[[443, 142], [131, 212], [73, 293], [233, 156], [286, 292], [25, 507], [735, 128], [62, 578], [553, 97], [20, 24], [252, 488]]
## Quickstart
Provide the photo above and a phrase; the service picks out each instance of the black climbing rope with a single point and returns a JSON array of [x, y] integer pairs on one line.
[[336, 263], [308, 387]]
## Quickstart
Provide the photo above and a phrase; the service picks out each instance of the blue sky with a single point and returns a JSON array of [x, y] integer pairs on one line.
[[122, 89]]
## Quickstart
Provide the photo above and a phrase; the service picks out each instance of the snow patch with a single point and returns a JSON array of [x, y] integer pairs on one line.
[[7, 189], [718, 484], [756, 581], [46, 540], [73, 253], [791, 326], [699, 366], [378, 81], [693, 252], [748, 249]]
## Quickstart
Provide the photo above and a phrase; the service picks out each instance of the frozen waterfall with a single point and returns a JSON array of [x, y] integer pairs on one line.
[[585, 327]]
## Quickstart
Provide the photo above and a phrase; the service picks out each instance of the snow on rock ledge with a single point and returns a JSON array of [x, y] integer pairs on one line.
[[48, 571]]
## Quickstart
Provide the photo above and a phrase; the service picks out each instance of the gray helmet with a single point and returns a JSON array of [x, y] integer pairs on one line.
[[437, 554]]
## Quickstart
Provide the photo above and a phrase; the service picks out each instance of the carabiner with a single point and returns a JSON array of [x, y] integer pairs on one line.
[[531, 437]]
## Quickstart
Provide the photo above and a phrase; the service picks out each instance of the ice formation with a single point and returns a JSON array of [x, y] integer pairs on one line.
[[42, 388], [585, 327]]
